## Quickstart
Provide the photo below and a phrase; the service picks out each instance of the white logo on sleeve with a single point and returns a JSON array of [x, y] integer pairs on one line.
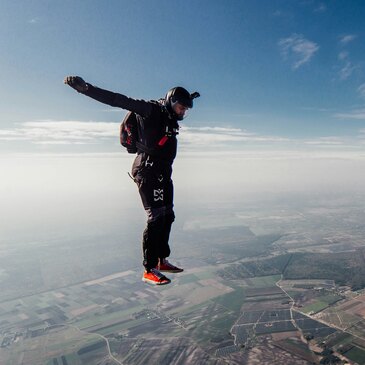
[[157, 194]]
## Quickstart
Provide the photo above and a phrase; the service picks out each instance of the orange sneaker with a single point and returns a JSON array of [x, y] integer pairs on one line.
[[167, 267], [155, 277]]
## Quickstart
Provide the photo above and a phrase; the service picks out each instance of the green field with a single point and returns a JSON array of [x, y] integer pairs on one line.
[[232, 301], [224, 324], [356, 354], [315, 307], [264, 281], [115, 328], [100, 320], [321, 303], [72, 359]]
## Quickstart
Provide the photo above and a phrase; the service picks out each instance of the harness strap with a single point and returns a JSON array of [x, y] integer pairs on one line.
[[150, 151]]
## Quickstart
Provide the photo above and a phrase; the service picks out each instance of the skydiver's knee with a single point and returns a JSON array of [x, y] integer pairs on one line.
[[155, 214], [170, 218]]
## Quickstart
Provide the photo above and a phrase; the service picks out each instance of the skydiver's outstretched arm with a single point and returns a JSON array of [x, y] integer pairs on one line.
[[140, 107]]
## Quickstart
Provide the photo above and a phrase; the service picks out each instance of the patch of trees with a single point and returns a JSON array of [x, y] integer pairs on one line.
[[272, 266], [345, 268], [329, 357]]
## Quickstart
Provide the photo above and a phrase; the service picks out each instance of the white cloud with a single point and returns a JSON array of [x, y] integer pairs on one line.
[[347, 69], [61, 132], [317, 109], [361, 137], [297, 49], [59, 142], [321, 8], [33, 21], [277, 13], [361, 90], [218, 136], [215, 129], [347, 38], [58, 133], [343, 55], [355, 114], [326, 141], [346, 66], [50, 134]]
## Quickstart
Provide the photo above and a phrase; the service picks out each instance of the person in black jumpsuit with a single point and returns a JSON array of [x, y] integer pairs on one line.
[[152, 168]]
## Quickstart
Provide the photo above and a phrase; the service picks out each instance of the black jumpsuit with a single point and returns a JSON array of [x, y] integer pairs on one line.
[[151, 171]]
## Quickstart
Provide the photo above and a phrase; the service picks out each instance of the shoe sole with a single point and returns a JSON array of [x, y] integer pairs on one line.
[[156, 282], [171, 271]]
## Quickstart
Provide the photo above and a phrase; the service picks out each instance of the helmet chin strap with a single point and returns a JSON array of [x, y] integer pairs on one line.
[[179, 118], [174, 116]]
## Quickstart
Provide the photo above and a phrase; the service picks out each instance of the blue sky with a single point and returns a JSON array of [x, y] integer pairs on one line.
[[272, 74]]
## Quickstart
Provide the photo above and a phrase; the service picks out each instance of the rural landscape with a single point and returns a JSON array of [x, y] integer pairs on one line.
[[284, 286]]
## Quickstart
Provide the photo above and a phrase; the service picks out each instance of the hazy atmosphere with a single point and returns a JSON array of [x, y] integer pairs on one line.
[[66, 195]]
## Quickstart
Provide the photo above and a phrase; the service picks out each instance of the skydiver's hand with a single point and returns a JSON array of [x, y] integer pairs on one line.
[[76, 82]]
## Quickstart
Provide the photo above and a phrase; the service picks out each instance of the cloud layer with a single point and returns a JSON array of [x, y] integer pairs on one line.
[[199, 139], [222, 137], [61, 132]]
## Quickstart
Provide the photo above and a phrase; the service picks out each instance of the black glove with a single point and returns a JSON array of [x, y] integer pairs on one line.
[[77, 83]]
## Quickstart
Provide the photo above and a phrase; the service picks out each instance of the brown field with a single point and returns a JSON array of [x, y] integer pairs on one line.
[[110, 277], [361, 298], [269, 354], [296, 350], [197, 292], [361, 312], [278, 336], [355, 307], [79, 311], [349, 305]]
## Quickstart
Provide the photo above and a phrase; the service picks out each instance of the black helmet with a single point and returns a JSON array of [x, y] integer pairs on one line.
[[179, 95]]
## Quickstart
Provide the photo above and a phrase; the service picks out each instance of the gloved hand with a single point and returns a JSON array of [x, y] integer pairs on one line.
[[76, 82]]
